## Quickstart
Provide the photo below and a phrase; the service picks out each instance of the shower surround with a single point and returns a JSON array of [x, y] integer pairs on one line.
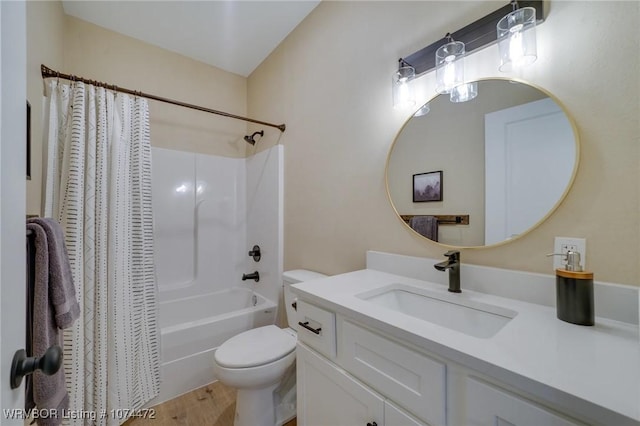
[[209, 211]]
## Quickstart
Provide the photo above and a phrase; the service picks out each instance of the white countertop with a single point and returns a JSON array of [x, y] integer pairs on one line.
[[535, 352]]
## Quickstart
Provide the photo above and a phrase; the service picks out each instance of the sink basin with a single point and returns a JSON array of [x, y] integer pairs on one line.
[[447, 310]]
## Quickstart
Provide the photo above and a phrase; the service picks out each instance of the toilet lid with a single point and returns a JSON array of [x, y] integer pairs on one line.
[[255, 347]]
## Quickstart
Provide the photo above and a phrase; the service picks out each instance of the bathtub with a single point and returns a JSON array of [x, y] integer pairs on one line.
[[189, 336]]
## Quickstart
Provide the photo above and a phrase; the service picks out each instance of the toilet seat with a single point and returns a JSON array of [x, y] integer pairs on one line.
[[255, 347]]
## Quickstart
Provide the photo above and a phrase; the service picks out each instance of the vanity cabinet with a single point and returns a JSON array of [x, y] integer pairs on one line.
[[351, 374], [327, 395]]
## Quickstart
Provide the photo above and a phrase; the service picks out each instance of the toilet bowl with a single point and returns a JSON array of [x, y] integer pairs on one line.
[[260, 364]]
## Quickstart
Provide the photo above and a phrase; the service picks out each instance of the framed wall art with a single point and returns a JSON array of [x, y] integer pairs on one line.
[[427, 187]]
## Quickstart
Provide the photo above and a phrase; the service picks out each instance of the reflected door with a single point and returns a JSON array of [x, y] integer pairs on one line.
[[519, 192]]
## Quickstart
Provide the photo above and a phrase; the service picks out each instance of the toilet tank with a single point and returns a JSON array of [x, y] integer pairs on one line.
[[293, 277]]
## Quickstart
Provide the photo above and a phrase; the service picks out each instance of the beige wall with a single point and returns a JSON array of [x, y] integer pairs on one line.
[[45, 40], [77, 47], [330, 82]]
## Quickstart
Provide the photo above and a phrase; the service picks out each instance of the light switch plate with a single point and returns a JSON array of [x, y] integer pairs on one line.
[[563, 245]]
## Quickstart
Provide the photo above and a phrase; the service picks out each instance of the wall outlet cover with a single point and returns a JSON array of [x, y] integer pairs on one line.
[[563, 245]]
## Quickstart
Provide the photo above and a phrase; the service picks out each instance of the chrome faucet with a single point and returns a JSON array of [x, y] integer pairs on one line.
[[453, 265]]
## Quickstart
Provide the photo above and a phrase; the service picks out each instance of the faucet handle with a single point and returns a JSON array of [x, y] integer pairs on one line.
[[453, 253]]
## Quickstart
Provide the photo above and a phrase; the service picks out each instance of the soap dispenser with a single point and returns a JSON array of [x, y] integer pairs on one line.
[[574, 292]]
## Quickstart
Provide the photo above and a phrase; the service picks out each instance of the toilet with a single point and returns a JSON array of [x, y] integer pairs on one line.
[[260, 364]]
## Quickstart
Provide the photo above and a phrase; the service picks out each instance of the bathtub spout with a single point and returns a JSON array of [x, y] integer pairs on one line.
[[252, 276]]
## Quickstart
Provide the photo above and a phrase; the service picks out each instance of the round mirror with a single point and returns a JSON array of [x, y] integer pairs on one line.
[[484, 171]]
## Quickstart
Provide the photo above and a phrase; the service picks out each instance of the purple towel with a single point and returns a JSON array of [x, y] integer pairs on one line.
[[425, 225], [54, 307]]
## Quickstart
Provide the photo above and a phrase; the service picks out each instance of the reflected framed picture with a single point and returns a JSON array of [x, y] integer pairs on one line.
[[427, 187]]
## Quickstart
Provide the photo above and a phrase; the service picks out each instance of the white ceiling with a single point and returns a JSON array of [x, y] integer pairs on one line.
[[235, 36]]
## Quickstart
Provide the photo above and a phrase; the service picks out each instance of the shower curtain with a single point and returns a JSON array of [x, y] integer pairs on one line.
[[98, 186]]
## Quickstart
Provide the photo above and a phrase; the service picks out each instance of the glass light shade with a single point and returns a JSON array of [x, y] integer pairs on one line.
[[449, 66], [403, 96], [517, 39], [424, 110], [464, 92]]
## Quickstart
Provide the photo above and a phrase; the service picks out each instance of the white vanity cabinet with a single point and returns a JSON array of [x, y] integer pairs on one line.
[[351, 374], [328, 396]]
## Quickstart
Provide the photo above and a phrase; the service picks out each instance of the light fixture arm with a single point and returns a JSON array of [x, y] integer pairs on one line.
[[402, 63], [402, 92]]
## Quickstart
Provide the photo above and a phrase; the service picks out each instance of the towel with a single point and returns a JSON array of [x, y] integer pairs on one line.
[[54, 307], [426, 226]]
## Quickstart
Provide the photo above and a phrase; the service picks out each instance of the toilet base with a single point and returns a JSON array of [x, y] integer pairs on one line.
[[285, 397], [254, 407]]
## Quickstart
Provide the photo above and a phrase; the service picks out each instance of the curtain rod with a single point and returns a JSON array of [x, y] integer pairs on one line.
[[48, 73]]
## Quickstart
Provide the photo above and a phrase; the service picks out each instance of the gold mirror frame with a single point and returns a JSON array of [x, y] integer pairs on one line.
[[535, 225]]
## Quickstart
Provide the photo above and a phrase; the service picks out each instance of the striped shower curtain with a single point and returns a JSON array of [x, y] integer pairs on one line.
[[98, 186]]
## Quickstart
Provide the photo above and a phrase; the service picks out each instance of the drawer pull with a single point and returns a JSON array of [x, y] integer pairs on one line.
[[372, 424], [306, 325]]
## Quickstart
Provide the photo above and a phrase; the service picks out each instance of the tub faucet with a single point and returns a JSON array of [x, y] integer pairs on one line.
[[252, 276], [453, 265]]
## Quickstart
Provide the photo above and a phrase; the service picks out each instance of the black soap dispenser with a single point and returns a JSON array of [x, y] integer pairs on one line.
[[574, 292]]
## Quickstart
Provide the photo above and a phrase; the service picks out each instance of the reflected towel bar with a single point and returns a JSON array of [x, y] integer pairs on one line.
[[443, 219]]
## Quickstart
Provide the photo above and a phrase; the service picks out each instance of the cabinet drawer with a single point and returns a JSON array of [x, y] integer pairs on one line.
[[317, 328], [411, 379]]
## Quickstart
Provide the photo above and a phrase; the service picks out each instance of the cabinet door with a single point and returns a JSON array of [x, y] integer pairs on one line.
[[415, 381], [490, 406], [328, 396], [395, 416]]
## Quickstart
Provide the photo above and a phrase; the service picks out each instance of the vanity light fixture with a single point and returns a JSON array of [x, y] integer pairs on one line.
[[482, 33], [403, 96], [517, 38], [449, 65]]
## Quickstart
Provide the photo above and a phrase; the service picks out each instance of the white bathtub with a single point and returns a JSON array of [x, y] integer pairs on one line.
[[190, 337]]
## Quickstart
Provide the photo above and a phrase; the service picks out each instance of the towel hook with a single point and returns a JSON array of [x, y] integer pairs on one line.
[[49, 364]]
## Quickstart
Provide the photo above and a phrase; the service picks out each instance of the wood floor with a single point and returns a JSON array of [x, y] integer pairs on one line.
[[212, 405]]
